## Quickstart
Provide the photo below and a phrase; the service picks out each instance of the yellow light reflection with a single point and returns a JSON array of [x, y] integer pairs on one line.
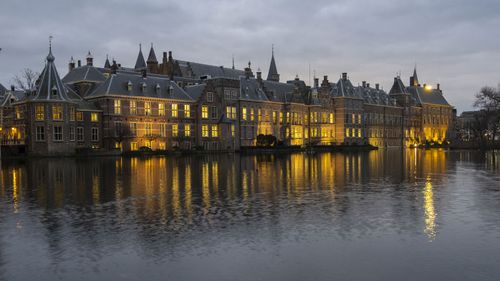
[[430, 213]]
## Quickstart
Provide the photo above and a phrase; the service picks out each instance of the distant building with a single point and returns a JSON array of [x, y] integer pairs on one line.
[[176, 104]]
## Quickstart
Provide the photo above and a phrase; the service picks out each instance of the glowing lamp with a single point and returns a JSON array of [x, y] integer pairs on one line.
[[428, 87]]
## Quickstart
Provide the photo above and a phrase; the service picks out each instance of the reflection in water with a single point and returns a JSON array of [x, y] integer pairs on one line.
[[172, 206], [430, 214]]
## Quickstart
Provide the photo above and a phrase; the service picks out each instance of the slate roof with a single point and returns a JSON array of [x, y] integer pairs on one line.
[[140, 63], [278, 92], [150, 86], [422, 95], [50, 87], [197, 70], [250, 90], [273, 71], [398, 87], [344, 88], [374, 96], [2, 90], [195, 91], [152, 55], [84, 73]]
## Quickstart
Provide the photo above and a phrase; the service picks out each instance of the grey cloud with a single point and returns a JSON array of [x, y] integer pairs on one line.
[[452, 41]]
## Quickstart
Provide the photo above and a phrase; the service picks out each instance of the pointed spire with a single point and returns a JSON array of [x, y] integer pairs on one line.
[[273, 75], [152, 55], [415, 77], [106, 63], [50, 86], [140, 63], [233, 61]]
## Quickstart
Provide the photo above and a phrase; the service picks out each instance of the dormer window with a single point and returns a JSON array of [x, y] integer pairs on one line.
[[54, 90], [129, 86], [144, 87], [171, 90], [158, 88]]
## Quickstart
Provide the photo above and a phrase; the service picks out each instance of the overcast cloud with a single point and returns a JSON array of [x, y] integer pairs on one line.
[[453, 42]]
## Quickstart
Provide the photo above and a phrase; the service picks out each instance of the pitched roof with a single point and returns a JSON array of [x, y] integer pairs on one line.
[[278, 92], [250, 90], [84, 73], [140, 63], [106, 63], [273, 71], [152, 55], [344, 88], [195, 91], [2, 90], [422, 95], [150, 86], [50, 87], [374, 96], [198, 70], [398, 87]]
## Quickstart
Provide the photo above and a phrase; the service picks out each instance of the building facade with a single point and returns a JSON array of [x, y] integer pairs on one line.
[[182, 105]]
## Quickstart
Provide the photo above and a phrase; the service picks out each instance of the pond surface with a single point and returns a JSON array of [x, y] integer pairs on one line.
[[379, 215]]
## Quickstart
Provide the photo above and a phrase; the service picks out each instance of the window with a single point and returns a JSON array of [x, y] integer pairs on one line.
[[347, 133], [175, 111], [233, 131], [149, 129], [72, 133], [252, 114], [175, 130], [244, 113], [204, 131], [40, 133], [133, 107], [187, 111], [331, 118], [118, 107], [94, 117], [133, 129], [39, 113], [281, 117], [57, 111], [147, 108], [187, 130], [274, 117], [94, 134], [227, 94], [58, 133], [161, 109], [204, 112], [72, 114], [231, 112], [133, 146], [213, 112], [210, 97], [163, 129], [79, 133], [259, 115], [79, 116], [215, 131]]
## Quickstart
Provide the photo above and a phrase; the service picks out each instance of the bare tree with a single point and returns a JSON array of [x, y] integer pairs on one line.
[[487, 123], [122, 132], [26, 80]]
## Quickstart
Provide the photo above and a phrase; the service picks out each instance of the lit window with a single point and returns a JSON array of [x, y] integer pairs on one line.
[[175, 110], [57, 112], [94, 117], [147, 108], [233, 131], [204, 131], [72, 114], [215, 131], [79, 116], [347, 133], [149, 129], [39, 113], [133, 146], [187, 130], [274, 117], [259, 114], [175, 130], [58, 133], [233, 111], [204, 112], [281, 117], [187, 111], [331, 118], [133, 107], [161, 109], [244, 113], [228, 112], [163, 130], [252, 117], [118, 107], [133, 128]]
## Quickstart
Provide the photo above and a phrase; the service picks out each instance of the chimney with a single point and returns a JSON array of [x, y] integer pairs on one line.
[[259, 75], [368, 85], [114, 67], [344, 76], [164, 59], [12, 88], [79, 63], [325, 82], [90, 59], [71, 64], [144, 73], [439, 87], [364, 84], [412, 80], [377, 86], [170, 58], [316, 82]]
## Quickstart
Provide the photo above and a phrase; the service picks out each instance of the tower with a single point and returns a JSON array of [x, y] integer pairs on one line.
[[273, 75], [140, 63], [152, 62]]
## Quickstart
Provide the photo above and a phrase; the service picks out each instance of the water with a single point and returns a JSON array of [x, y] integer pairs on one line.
[[380, 215]]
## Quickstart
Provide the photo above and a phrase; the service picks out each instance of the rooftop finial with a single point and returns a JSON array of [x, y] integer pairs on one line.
[[50, 57], [272, 50], [233, 61], [50, 43]]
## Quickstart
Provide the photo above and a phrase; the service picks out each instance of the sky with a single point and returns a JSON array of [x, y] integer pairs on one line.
[[452, 42]]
